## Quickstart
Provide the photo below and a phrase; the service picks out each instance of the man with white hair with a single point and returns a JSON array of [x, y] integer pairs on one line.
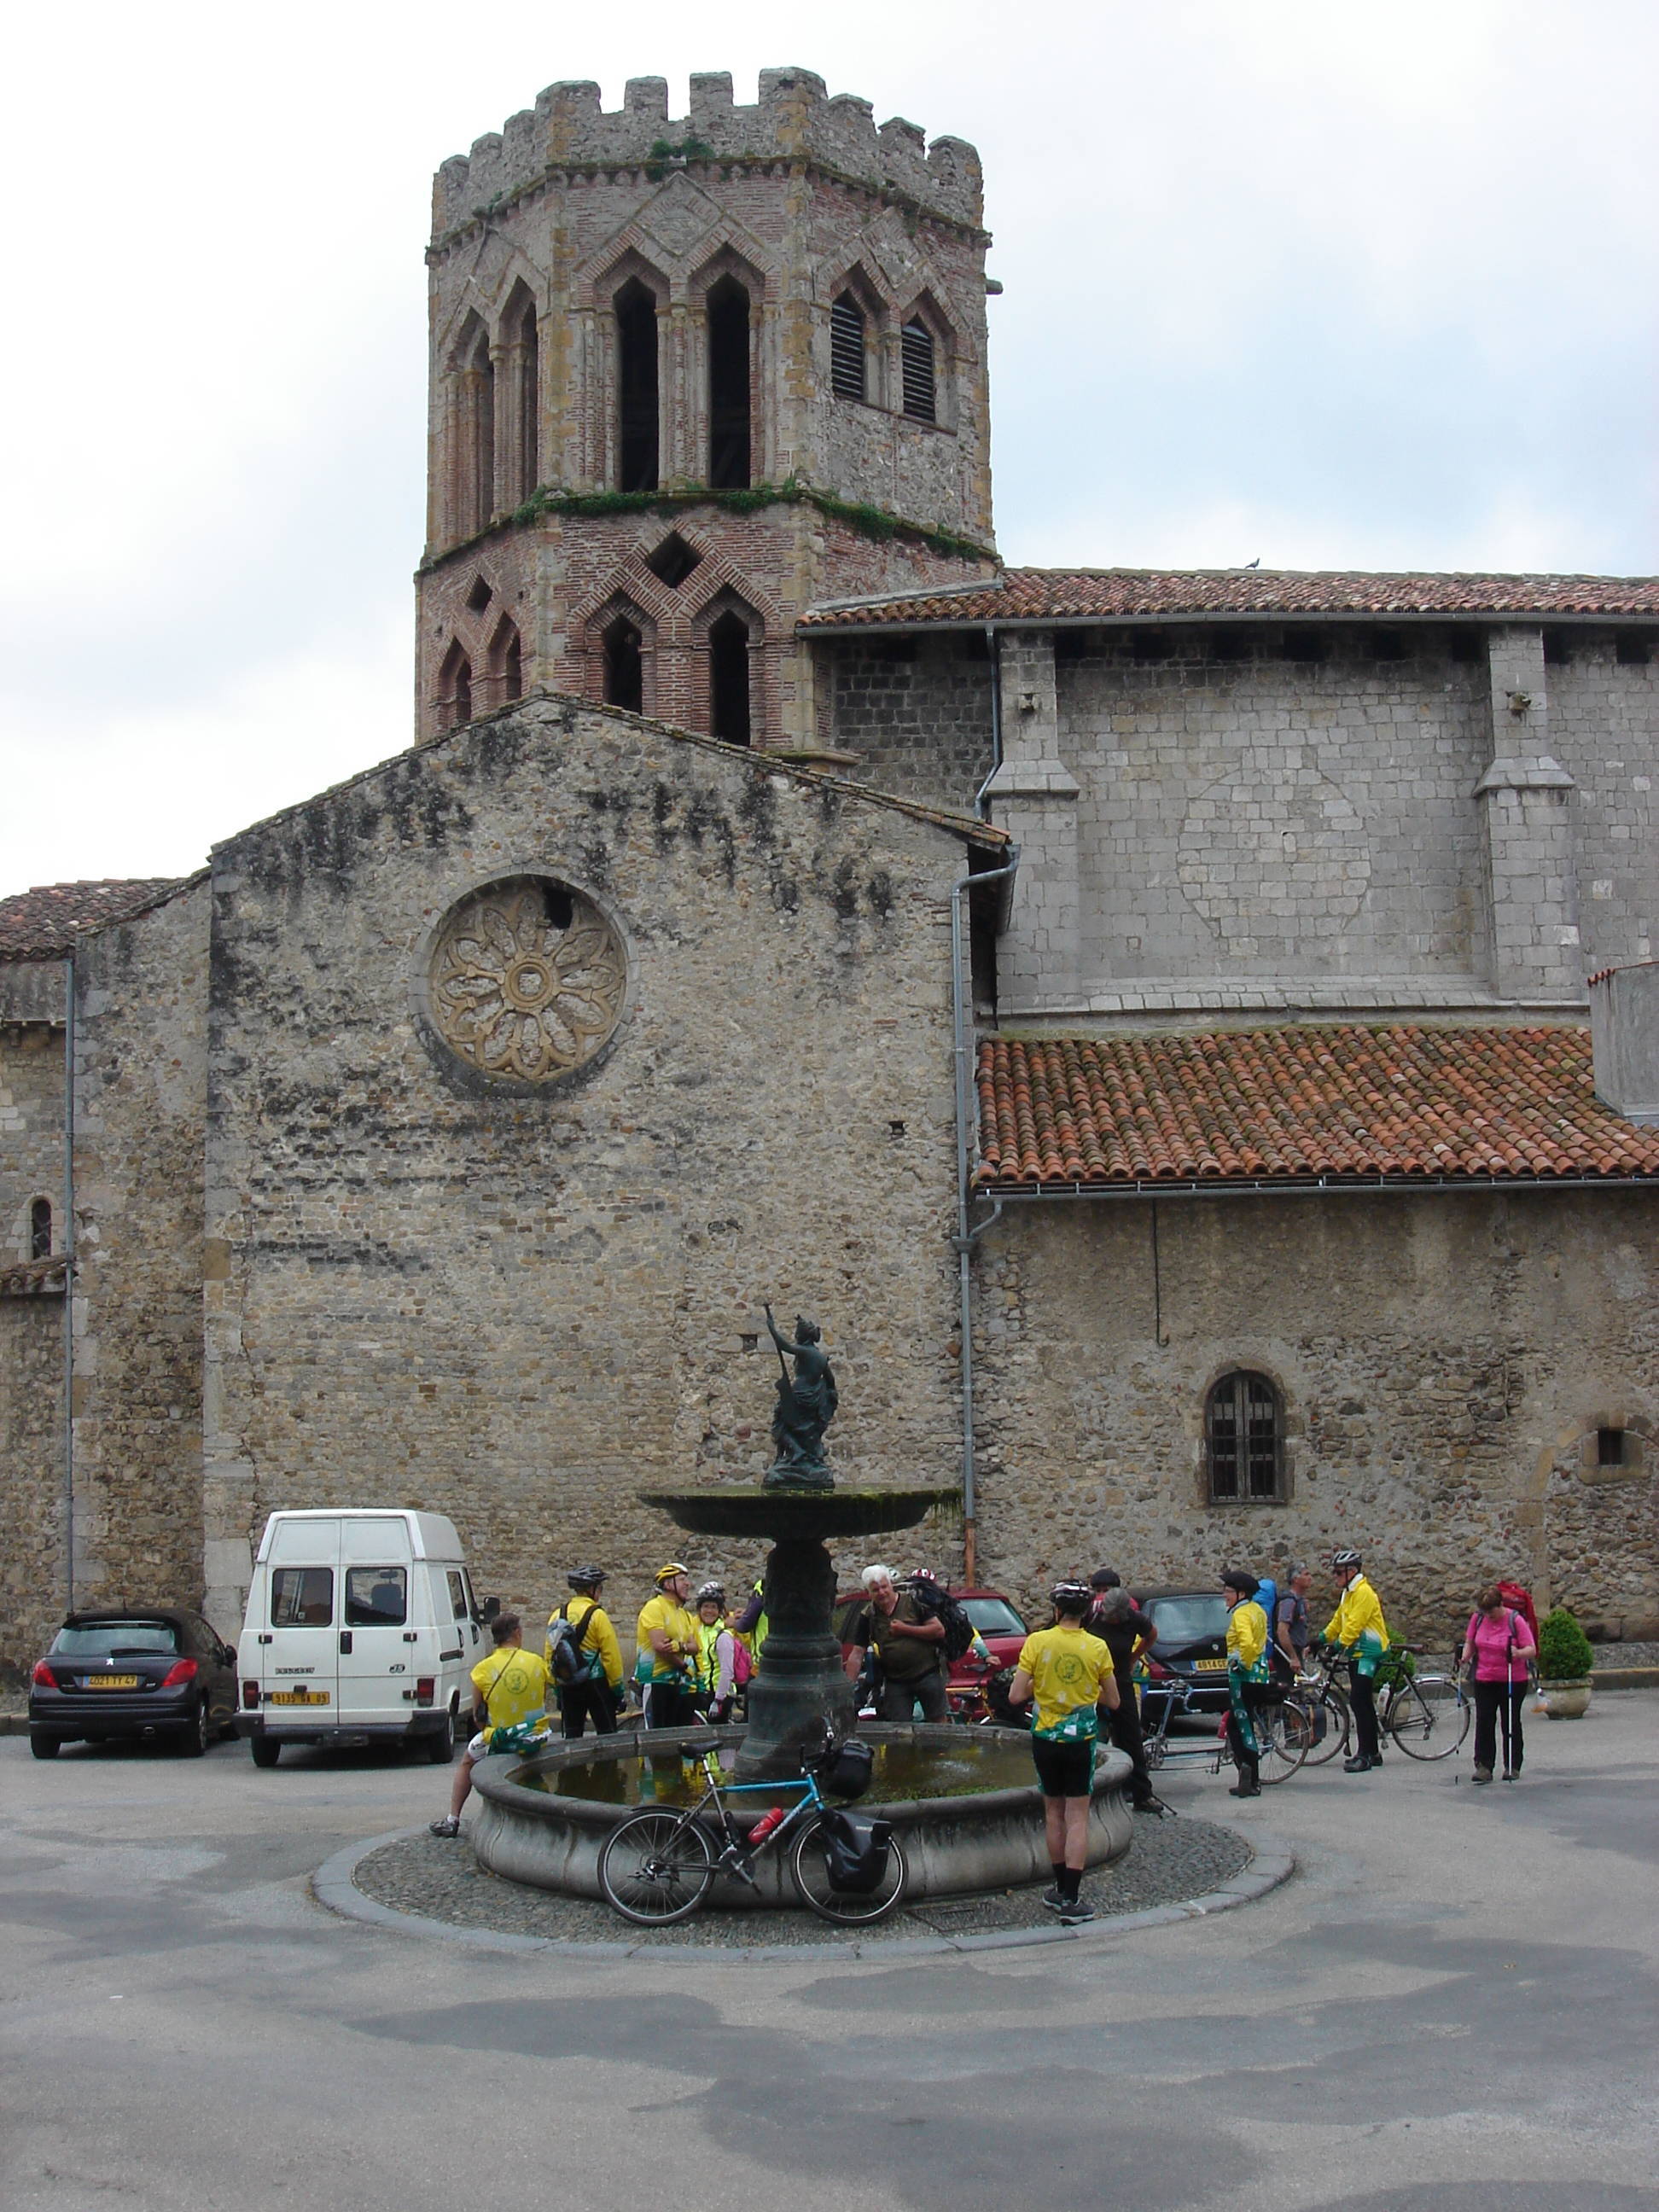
[[908, 1642]]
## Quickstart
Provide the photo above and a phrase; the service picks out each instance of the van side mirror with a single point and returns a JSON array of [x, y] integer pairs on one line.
[[490, 1607]]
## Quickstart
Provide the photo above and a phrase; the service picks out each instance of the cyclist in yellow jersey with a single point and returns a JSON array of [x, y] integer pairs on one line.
[[668, 1651], [509, 1703], [1248, 1675], [1360, 1632], [597, 1691], [1068, 1675]]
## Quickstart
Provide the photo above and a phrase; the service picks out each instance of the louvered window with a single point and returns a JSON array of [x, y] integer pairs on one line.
[[1243, 1439], [921, 390], [846, 348]]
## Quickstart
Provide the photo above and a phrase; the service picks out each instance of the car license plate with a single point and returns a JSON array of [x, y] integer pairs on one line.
[[1208, 1666], [296, 1698], [110, 1681]]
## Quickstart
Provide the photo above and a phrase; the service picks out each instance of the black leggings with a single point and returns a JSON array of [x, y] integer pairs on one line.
[[1362, 1697], [578, 1702], [1490, 1700]]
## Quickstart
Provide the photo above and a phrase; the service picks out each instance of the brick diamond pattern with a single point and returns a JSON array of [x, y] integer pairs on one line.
[[1297, 1105]]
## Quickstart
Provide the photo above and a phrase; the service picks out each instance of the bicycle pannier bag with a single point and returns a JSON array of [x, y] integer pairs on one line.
[[848, 1774], [856, 1851]]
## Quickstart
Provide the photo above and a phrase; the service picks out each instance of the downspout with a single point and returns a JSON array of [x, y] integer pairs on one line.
[[69, 1283]]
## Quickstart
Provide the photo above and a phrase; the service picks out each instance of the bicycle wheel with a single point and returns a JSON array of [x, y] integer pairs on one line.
[[656, 1867], [1429, 1716], [1283, 1733], [809, 1863], [1331, 1723]]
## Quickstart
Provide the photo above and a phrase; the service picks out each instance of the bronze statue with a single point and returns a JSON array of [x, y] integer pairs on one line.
[[806, 1405]]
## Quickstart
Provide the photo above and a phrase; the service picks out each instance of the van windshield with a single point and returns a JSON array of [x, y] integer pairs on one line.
[[99, 1639]]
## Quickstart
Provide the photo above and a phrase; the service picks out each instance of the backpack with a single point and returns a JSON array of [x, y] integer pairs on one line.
[[742, 1662], [949, 1613], [1266, 1597], [1518, 1598], [566, 1661]]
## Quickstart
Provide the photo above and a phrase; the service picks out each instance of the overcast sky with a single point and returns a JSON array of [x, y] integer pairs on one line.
[[1368, 285]]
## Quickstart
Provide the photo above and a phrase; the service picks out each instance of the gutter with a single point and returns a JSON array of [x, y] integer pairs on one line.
[[1322, 1186], [966, 1236], [68, 1281]]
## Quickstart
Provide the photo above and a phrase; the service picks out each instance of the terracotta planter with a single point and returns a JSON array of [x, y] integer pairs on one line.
[[1565, 1701]]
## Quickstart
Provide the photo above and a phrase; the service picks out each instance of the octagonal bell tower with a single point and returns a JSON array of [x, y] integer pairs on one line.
[[687, 378]]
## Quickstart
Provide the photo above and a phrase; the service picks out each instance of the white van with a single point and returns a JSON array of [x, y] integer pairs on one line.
[[362, 1627]]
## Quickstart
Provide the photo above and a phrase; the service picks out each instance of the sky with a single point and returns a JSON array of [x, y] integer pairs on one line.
[[1366, 286]]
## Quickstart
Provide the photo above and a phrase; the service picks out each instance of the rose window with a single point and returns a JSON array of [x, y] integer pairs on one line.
[[526, 979]]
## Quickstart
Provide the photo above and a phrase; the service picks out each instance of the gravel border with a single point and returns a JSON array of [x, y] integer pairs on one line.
[[334, 1886]]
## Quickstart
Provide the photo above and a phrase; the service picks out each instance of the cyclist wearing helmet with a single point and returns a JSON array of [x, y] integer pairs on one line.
[[716, 1658], [1360, 1632], [1068, 1673], [1248, 1676], [667, 1649], [596, 1695]]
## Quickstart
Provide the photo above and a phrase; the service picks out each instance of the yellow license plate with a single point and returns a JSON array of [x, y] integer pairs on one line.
[[111, 1681], [297, 1698], [1209, 1666]]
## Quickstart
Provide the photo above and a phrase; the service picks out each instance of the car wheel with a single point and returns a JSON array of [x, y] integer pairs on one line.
[[440, 1746], [44, 1747], [195, 1739], [266, 1753]]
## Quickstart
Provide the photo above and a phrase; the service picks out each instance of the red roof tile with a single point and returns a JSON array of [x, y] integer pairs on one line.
[[1167, 594], [1402, 1105], [40, 924]]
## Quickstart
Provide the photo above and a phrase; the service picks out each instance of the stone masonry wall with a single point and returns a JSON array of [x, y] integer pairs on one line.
[[1604, 730], [522, 1310], [1444, 1361], [915, 710], [141, 1080], [31, 1477], [31, 1133]]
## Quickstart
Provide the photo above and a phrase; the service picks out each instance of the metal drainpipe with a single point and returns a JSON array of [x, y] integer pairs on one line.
[[69, 1283], [966, 1238]]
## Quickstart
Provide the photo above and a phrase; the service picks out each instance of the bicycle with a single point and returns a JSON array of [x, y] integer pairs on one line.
[[1282, 1737], [1325, 1717], [1424, 1715], [658, 1866]]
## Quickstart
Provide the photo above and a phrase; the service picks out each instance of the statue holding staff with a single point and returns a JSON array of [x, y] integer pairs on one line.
[[806, 1405]]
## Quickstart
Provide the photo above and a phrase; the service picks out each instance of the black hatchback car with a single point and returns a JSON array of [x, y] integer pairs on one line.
[[1191, 1647], [125, 1673]]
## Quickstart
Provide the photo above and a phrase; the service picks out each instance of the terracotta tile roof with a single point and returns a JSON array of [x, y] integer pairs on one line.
[[40, 924], [1166, 594], [1402, 1105]]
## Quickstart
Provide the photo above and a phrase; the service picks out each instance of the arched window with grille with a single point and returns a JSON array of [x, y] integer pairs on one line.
[[729, 711], [637, 460], [1244, 1439], [624, 665], [920, 377], [847, 358], [728, 386], [455, 688], [40, 1229], [474, 430]]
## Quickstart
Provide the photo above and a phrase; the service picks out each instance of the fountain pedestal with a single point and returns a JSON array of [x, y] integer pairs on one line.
[[801, 1683]]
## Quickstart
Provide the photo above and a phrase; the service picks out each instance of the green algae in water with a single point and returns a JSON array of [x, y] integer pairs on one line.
[[902, 1773]]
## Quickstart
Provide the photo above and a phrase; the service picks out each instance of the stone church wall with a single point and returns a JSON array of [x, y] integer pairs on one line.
[[30, 1477], [140, 1097], [519, 1310], [915, 710], [1604, 730], [30, 1128], [1444, 1362]]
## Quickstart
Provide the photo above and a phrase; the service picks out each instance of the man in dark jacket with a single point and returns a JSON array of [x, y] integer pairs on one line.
[[1127, 1632]]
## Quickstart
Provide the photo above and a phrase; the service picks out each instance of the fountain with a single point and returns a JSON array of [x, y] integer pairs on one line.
[[964, 1801]]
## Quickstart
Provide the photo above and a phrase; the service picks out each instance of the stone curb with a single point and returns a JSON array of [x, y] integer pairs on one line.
[[333, 1885]]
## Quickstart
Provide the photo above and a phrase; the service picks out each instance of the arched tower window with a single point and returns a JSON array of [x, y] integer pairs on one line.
[[507, 662], [728, 386], [728, 678], [475, 431], [636, 389], [921, 381], [524, 356], [1244, 1438], [847, 371], [40, 1229], [624, 665], [455, 688]]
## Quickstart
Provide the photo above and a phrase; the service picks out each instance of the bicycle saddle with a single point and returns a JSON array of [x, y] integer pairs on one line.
[[699, 1746]]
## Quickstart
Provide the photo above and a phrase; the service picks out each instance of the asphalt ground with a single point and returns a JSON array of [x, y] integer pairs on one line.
[[1453, 2004]]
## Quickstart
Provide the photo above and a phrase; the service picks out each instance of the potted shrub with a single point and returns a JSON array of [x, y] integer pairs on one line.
[[1565, 1660]]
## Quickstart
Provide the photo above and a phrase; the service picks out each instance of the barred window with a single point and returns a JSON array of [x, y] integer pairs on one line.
[[1243, 1439], [40, 1229], [921, 387], [846, 348]]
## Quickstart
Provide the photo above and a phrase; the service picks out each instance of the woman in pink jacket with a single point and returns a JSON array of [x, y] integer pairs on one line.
[[1496, 1651]]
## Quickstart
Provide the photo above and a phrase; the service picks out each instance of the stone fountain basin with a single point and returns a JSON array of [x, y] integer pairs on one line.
[[977, 1840]]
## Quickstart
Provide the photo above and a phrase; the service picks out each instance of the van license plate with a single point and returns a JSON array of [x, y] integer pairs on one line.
[[296, 1697], [110, 1681], [1208, 1666]]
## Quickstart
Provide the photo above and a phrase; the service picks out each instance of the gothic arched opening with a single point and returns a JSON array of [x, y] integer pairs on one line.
[[455, 688], [637, 460], [524, 353], [729, 714], [847, 371], [475, 428], [728, 386], [624, 665]]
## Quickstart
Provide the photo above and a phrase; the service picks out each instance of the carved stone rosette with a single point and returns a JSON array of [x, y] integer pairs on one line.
[[526, 979]]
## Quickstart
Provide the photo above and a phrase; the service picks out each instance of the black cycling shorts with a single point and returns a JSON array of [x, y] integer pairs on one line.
[[1063, 1770]]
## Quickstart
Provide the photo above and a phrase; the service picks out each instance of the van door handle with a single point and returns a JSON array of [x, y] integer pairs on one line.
[[345, 1641]]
